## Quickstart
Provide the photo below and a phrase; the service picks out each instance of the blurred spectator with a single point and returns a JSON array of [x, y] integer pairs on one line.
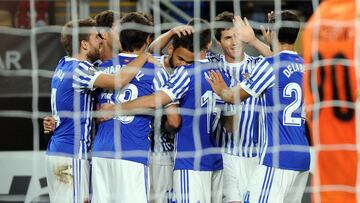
[[7, 11], [5, 18], [23, 14]]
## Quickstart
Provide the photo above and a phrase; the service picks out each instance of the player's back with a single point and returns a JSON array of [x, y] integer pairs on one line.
[[71, 92], [131, 131], [283, 104], [201, 110]]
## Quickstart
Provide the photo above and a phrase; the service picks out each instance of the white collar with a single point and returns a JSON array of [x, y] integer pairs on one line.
[[237, 63], [128, 55], [68, 58], [288, 52]]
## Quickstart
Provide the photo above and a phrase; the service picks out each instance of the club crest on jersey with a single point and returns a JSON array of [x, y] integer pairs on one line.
[[245, 76]]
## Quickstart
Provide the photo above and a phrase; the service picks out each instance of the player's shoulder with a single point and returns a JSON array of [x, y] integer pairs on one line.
[[288, 55], [250, 58], [84, 65], [214, 57], [106, 63], [97, 63]]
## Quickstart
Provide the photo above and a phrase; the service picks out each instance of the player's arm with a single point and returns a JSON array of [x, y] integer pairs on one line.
[[125, 74], [229, 95], [49, 124], [245, 33], [141, 105], [170, 92], [173, 118], [160, 43], [261, 78], [266, 33]]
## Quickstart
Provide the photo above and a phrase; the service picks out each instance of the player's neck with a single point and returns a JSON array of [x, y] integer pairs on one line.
[[167, 62], [80, 57], [107, 53], [201, 55], [285, 47], [136, 52], [237, 59]]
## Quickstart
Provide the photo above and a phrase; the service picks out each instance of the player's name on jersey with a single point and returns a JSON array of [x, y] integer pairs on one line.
[[292, 68], [111, 69]]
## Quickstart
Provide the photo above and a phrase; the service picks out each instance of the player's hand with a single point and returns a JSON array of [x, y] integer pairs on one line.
[[243, 30], [182, 30], [216, 82], [49, 124], [266, 33], [105, 112], [270, 16], [151, 59]]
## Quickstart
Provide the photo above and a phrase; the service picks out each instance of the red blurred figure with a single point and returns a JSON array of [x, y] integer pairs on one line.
[[23, 15]]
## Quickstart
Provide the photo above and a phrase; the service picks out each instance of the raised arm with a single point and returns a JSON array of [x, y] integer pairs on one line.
[[245, 33], [125, 74], [160, 43]]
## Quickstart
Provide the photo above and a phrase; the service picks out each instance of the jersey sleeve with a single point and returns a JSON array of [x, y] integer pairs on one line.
[[178, 84], [160, 79], [261, 78], [84, 77]]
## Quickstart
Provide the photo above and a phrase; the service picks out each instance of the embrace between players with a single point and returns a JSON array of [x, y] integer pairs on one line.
[[189, 126]]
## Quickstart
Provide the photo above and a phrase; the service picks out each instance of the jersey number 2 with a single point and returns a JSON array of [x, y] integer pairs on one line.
[[288, 118]]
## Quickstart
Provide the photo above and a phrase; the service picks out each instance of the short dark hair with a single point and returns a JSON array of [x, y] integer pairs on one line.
[[225, 16], [151, 19], [287, 33], [67, 33], [187, 41], [106, 18], [133, 39]]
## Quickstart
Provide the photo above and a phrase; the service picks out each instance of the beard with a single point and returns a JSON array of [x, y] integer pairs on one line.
[[171, 62], [93, 55]]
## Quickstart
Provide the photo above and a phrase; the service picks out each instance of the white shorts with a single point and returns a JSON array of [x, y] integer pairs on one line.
[[237, 173], [276, 185], [116, 180], [68, 179], [197, 186], [161, 175]]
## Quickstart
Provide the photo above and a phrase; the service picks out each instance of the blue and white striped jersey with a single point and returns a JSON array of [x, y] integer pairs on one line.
[[71, 93], [278, 81], [127, 137], [196, 145], [161, 141], [243, 142]]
